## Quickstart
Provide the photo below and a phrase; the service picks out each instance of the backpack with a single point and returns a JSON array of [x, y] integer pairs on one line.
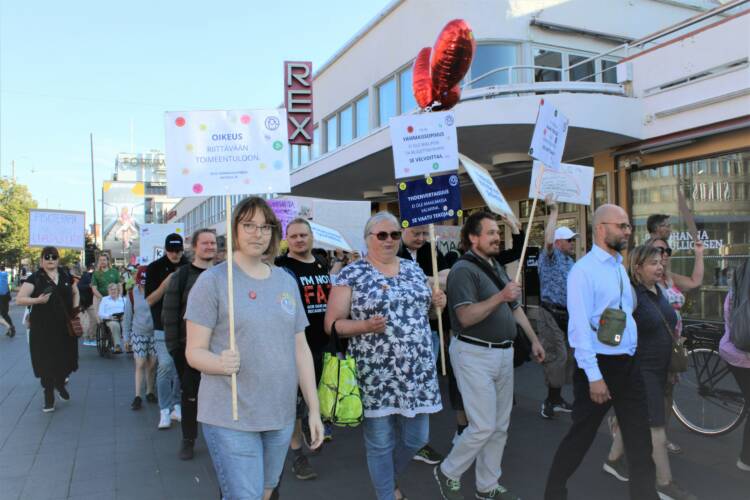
[[739, 316]]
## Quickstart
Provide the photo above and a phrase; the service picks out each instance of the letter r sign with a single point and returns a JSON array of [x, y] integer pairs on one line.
[[298, 101]]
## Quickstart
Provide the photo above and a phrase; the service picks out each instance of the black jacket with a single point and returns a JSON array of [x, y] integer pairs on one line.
[[174, 303], [424, 258]]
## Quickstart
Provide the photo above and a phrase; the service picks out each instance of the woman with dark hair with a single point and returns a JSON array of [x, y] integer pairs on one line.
[[54, 301], [271, 358]]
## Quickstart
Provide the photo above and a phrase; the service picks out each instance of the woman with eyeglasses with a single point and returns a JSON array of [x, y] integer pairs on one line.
[[53, 300], [271, 359], [381, 303]]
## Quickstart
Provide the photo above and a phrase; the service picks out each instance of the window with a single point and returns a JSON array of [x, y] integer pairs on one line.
[[583, 72], [345, 119], [408, 102], [295, 155], [332, 139], [609, 71], [362, 112], [316, 143], [552, 64], [489, 57], [386, 101], [304, 154]]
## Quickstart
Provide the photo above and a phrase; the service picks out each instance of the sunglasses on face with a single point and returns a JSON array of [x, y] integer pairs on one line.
[[570, 240], [50, 256], [666, 251], [383, 235]]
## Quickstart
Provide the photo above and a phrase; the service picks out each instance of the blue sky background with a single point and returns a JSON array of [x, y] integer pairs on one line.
[[71, 68]]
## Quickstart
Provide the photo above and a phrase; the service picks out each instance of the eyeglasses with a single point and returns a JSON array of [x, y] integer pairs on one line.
[[667, 251], [50, 256], [570, 240], [624, 226], [383, 235], [252, 228]]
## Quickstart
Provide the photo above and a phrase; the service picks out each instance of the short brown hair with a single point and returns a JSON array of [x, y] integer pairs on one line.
[[639, 255], [473, 226], [299, 220], [197, 233], [246, 209]]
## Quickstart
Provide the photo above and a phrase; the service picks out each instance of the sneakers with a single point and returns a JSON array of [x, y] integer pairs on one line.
[[49, 401], [497, 492], [11, 332], [428, 456], [302, 468], [674, 491], [450, 489], [548, 409], [742, 465], [674, 448], [618, 468], [186, 451], [562, 406], [164, 421], [63, 393], [136, 404], [176, 413], [151, 398], [327, 432]]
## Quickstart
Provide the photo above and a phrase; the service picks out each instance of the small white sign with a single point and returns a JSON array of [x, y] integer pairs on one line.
[[550, 133], [216, 153], [152, 238], [569, 184], [57, 228], [326, 237], [487, 187], [424, 144]]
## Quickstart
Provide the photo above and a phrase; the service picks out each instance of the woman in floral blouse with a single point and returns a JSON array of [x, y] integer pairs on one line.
[[381, 304]]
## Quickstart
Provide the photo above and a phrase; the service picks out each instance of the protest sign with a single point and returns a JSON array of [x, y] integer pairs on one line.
[[487, 187], [227, 152], [429, 200], [448, 238], [326, 237], [550, 132], [569, 184], [152, 238], [57, 228], [424, 144]]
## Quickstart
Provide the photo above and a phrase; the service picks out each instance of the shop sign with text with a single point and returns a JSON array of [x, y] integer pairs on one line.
[[298, 101]]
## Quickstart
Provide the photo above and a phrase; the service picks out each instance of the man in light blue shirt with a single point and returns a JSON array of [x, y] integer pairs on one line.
[[607, 375]]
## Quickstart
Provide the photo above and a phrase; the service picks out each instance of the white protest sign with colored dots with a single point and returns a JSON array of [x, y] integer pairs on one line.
[[550, 133], [424, 144], [215, 153]]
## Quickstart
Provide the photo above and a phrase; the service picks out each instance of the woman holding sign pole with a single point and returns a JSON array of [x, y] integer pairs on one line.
[[271, 358]]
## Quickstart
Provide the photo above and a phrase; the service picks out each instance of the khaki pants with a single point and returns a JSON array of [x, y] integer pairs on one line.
[[114, 327], [88, 321], [559, 363]]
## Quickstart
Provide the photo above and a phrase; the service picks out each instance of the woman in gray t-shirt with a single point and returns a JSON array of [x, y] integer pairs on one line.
[[271, 358]]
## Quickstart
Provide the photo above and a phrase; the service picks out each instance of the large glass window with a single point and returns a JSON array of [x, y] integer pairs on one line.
[[489, 57], [582, 72], [362, 110], [332, 139], [386, 101], [407, 95], [551, 65], [345, 119]]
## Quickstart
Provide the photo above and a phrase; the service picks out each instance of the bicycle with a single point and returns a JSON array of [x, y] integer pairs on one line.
[[707, 399], [104, 344]]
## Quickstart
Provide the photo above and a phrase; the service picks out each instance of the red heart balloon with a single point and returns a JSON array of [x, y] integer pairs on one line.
[[448, 99], [452, 55], [421, 80]]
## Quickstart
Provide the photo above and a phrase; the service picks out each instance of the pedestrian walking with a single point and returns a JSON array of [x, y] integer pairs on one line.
[[604, 337], [203, 244], [138, 327], [484, 311], [53, 300], [111, 311], [5, 302], [158, 275], [271, 358], [89, 317], [104, 275]]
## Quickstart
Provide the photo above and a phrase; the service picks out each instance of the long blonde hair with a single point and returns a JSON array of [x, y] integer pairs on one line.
[[636, 257]]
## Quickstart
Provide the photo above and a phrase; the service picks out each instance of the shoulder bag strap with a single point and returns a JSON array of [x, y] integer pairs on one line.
[[669, 330], [486, 269]]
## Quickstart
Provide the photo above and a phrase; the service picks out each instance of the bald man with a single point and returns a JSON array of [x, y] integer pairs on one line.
[[607, 371]]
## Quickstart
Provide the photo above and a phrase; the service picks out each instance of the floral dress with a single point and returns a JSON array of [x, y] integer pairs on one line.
[[396, 369]]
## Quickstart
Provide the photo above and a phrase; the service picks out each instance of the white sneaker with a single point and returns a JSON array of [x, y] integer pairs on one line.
[[177, 413], [742, 465], [164, 421]]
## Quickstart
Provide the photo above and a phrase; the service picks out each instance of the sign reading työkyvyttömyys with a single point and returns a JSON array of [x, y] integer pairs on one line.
[[429, 200], [550, 133], [424, 144], [216, 153]]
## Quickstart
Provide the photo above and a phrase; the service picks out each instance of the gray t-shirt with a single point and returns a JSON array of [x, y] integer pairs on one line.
[[267, 315], [468, 284]]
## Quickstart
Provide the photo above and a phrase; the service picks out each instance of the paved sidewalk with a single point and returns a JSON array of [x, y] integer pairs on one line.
[[96, 447]]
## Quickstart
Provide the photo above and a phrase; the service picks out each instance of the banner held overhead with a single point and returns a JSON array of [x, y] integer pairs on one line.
[[550, 133], [429, 200], [57, 228], [487, 187], [570, 184], [424, 144]]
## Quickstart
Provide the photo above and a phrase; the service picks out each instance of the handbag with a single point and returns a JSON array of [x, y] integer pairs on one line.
[[338, 391], [678, 360]]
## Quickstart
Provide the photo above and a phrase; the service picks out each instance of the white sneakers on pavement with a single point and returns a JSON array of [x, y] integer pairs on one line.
[[177, 413], [164, 421]]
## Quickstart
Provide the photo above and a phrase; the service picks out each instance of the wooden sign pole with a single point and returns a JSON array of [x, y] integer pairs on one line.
[[436, 286], [230, 295], [528, 228]]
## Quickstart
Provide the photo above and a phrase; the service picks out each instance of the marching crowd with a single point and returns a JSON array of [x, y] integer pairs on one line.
[[607, 326]]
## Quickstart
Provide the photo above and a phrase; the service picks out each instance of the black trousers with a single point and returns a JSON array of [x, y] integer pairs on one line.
[[50, 383], [190, 380], [743, 379], [5, 307], [623, 378]]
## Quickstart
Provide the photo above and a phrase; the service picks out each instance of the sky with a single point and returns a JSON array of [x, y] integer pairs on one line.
[[68, 69]]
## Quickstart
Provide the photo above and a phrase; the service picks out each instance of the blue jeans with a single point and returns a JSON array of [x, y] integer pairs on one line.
[[391, 443], [167, 381], [247, 462]]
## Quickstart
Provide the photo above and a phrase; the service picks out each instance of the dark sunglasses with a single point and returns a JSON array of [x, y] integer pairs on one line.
[[667, 251], [50, 256], [383, 235], [570, 240]]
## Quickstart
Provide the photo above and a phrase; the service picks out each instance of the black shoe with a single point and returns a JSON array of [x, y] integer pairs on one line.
[[302, 468], [428, 456], [562, 406], [63, 393], [11, 332], [49, 401], [136, 404], [151, 398], [548, 410], [186, 452]]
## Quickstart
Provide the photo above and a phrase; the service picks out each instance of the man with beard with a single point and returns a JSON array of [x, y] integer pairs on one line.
[[203, 243], [483, 307], [603, 334]]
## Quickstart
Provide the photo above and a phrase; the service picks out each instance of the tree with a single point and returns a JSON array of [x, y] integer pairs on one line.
[[15, 202]]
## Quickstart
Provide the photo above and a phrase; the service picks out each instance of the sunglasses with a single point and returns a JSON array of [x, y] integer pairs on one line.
[[383, 235], [667, 251], [570, 240], [50, 256]]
